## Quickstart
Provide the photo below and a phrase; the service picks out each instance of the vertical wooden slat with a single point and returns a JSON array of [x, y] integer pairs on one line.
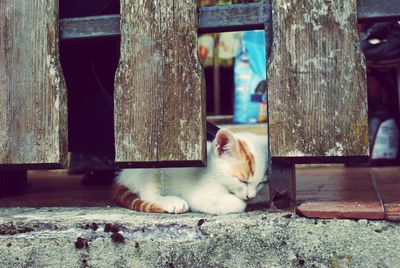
[[282, 186], [398, 83], [159, 88], [33, 118], [317, 82], [216, 78]]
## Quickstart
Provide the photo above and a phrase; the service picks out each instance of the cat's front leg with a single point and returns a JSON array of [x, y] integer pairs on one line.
[[224, 204], [170, 204], [173, 204], [150, 192]]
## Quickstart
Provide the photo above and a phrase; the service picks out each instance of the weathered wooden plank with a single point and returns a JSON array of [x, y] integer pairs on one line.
[[338, 192], [237, 17], [211, 19], [388, 187], [220, 19], [90, 27], [374, 10], [282, 186], [159, 88], [33, 118], [317, 81]]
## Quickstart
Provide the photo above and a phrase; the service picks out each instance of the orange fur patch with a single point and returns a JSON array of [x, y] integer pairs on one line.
[[127, 199], [244, 169]]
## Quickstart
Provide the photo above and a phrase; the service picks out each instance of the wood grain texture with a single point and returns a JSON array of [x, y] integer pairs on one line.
[[159, 88], [317, 81], [58, 189], [338, 192], [387, 181], [375, 10], [237, 17], [282, 186], [33, 117]]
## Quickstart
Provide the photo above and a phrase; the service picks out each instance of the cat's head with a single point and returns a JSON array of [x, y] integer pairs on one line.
[[241, 160]]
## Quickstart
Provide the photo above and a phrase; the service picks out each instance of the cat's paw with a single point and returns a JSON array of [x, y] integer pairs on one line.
[[230, 204], [173, 204], [219, 205]]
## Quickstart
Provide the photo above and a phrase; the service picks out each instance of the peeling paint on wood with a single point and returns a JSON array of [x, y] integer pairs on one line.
[[159, 88], [33, 117], [317, 80]]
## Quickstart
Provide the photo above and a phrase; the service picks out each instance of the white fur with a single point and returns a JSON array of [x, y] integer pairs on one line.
[[211, 189]]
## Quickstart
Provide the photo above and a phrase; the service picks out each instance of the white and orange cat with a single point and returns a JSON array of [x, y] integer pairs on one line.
[[237, 165]]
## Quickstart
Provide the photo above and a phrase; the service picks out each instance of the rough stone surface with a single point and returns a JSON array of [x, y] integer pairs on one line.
[[76, 237]]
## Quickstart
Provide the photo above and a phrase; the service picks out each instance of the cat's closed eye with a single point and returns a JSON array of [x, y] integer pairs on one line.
[[262, 182], [244, 181]]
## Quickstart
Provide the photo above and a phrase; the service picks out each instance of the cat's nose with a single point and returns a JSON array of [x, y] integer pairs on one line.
[[249, 197]]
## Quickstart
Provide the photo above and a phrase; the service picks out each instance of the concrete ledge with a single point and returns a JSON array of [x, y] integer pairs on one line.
[[79, 237]]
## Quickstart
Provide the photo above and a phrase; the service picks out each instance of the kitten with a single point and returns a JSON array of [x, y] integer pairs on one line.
[[237, 165]]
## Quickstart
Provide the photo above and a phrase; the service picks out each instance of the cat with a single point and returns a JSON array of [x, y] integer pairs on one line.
[[237, 164]]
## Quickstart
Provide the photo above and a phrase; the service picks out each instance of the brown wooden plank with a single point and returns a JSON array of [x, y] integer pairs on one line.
[[159, 88], [337, 193], [33, 117], [328, 191], [317, 82], [58, 189], [387, 181]]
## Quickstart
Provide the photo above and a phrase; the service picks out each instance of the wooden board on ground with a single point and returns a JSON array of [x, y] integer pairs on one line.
[[159, 88], [387, 182], [33, 117], [58, 189], [338, 193], [317, 81]]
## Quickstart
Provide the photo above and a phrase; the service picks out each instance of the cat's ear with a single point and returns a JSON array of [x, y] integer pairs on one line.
[[225, 143]]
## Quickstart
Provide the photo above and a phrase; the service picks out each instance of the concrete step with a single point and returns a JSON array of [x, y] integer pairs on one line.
[[116, 237]]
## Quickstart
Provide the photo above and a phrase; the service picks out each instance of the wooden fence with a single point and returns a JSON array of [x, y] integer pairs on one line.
[[316, 80]]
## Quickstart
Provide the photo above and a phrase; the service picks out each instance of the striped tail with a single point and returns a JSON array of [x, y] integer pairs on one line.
[[130, 200]]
